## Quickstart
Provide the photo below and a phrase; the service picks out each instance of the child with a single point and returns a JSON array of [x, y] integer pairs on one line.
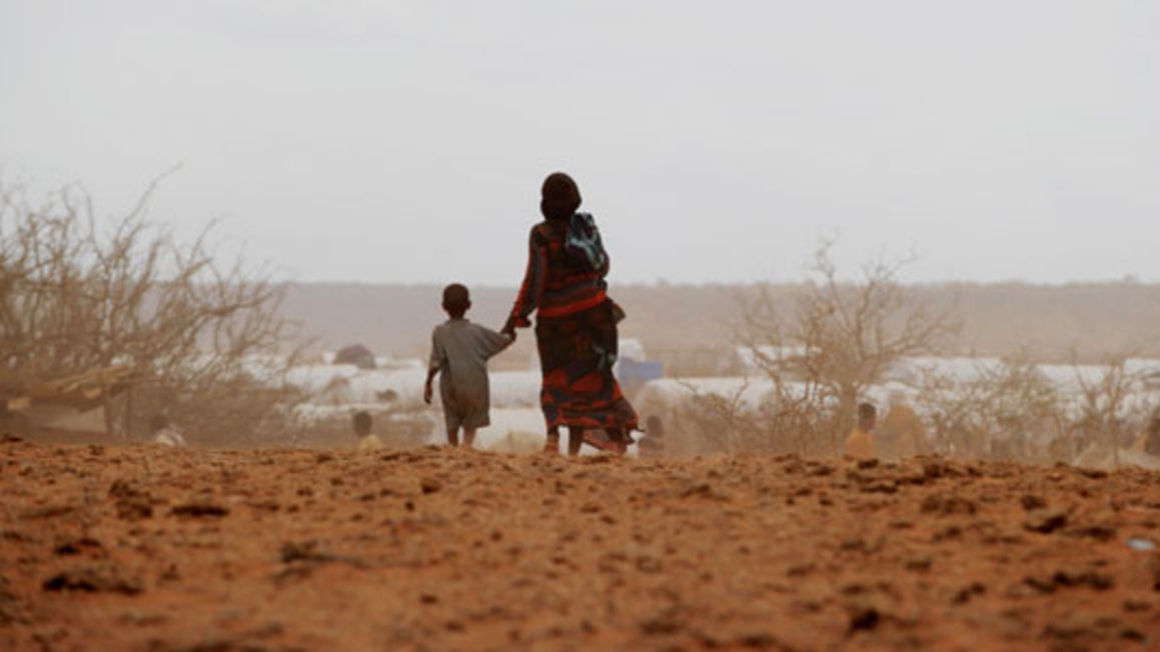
[[860, 444], [164, 432], [361, 423], [459, 354], [653, 442]]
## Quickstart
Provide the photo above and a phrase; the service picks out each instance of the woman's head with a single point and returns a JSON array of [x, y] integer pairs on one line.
[[559, 197]]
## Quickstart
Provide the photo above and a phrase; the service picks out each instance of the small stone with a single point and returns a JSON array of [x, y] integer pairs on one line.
[[853, 544], [801, 569], [863, 616], [661, 625], [1045, 521], [1136, 605], [944, 505], [430, 485], [78, 546], [1083, 577], [1031, 501], [94, 579], [198, 510], [647, 564], [919, 564], [964, 595], [881, 486]]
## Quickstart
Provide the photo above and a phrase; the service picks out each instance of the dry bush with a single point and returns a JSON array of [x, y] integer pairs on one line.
[[822, 352], [1106, 416], [1015, 412], [778, 424], [1009, 412], [722, 423], [78, 293], [396, 426]]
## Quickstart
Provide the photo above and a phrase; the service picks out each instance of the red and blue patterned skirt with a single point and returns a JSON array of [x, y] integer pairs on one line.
[[577, 352]]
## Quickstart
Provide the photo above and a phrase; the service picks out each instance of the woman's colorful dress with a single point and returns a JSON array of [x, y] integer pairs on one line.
[[576, 336]]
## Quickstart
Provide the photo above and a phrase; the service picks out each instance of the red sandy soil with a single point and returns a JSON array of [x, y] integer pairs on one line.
[[142, 548]]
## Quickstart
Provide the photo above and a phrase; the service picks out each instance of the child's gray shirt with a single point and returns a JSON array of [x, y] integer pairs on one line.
[[460, 351]]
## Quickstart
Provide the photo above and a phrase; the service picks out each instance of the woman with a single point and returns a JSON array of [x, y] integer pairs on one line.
[[575, 324]]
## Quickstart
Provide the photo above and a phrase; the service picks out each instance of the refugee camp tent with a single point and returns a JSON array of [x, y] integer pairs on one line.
[[357, 355]]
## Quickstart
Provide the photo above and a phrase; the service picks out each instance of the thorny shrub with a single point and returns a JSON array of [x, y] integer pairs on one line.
[[203, 335]]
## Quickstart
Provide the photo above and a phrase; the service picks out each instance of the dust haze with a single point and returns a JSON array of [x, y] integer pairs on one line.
[[846, 319], [370, 142]]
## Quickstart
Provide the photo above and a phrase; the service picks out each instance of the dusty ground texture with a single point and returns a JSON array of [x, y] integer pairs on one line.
[[142, 548]]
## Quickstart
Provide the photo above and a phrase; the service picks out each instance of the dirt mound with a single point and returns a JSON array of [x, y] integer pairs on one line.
[[172, 549]]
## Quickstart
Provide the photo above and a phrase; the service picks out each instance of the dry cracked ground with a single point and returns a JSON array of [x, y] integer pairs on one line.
[[141, 548]]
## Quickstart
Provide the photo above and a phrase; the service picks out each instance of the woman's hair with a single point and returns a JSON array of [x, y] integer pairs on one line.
[[559, 197]]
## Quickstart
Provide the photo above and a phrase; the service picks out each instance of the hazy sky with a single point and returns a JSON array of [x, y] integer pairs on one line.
[[404, 141]]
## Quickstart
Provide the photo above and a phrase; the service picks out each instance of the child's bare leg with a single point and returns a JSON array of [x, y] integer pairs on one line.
[[453, 436], [575, 439], [552, 446], [469, 437]]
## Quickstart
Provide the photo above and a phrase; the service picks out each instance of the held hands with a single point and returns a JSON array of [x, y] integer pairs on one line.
[[509, 328]]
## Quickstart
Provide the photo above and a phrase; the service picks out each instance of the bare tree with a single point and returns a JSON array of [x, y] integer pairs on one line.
[[1004, 411], [721, 420], [1105, 408], [836, 339], [78, 292]]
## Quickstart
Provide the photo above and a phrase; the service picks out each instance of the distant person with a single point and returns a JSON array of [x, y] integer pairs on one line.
[[1152, 442], [362, 423], [576, 324], [1149, 440], [164, 433], [901, 433], [860, 443], [653, 442], [459, 354]]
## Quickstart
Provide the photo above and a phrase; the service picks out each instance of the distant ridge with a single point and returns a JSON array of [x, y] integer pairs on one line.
[[1094, 319]]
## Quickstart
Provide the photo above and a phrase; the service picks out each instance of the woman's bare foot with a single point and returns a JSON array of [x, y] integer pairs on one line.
[[575, 440], [552, 446]]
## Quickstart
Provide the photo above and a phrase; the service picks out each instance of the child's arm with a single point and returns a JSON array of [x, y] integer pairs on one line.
[[438, 359], [494, 342], [427, 392]]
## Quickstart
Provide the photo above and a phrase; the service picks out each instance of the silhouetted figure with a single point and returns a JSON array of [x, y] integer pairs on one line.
[[361, 423], [164, 433], [576, 332], [901, 433], [860, 443], [653, 442], [459, 354], [1149, 440]]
